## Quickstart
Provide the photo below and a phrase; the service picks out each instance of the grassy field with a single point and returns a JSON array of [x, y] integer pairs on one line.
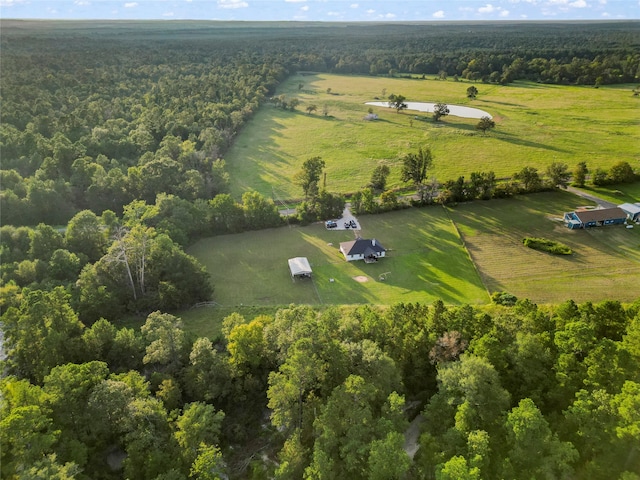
[[605, 263], [627, 193], [535, 126], [426, 261]]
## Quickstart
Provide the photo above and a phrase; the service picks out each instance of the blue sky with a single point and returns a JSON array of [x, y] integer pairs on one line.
[[323, 10]]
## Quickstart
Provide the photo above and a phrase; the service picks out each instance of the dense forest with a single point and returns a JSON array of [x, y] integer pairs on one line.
[[94, 118], [112, 143], [521, 392]]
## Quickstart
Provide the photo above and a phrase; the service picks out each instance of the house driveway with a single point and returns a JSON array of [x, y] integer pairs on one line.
[[347, 216], [602, 203]]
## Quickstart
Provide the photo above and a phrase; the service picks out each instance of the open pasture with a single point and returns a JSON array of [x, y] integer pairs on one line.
[[535, 125], [426, 261], [605, 263], [624, 193]]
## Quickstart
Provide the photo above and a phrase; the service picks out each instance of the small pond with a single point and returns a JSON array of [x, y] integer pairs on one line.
[[457, 110]]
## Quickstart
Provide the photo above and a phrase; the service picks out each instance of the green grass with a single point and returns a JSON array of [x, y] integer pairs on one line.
[[535, 126], [625, 193], [426, 261], [207, 321], [604, 265]]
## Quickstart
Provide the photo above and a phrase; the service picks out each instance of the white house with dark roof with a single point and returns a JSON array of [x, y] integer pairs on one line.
[[369, 250]]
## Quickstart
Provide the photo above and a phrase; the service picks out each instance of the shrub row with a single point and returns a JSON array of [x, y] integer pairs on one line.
[[545, 245]]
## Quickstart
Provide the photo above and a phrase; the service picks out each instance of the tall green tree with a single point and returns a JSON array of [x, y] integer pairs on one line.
[[42, 333], [387, 458], [44, 241], [558, 174], [622, 172], [209, 465], [27, 434], [534, 451], [259, 212], [398, 102], [85, 235], [415, 167], [379, 177], [198, 425], [440, 110], [529, 178], [485, 123], [69, 388], [309, 176], [227, 215], [165, 340], [580, 174], [457, 468]]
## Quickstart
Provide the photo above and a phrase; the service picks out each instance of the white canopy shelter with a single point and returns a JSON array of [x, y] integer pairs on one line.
[[299, 267]]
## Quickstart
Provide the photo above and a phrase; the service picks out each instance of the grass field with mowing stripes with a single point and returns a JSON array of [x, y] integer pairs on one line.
[[426, 261], [604, 265]]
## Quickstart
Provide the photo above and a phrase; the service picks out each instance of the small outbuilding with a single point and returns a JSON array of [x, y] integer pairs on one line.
[[594, 218], [632, 210], [299, 267], [362, 249]]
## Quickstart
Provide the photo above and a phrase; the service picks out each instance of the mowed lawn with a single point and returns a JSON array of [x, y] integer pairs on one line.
[[535, 126], [426, 261], [624, 193], [605, 263]]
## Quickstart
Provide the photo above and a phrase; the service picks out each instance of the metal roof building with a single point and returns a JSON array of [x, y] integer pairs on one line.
[[632, 210], [299, 267]]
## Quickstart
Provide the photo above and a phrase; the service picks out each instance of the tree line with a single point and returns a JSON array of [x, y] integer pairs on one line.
[[479, 186]]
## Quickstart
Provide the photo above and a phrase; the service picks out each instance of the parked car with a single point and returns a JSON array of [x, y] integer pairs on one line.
[[353, 224], [346, 225], [331, 224]]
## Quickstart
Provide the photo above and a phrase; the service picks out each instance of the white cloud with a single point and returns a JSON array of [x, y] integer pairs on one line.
[[602, 2], [578, 4], [232, 4], [438, 14], [81, 3], [305, 8], [390, 15], [605, 14], [333, 14], [354, 5], [370, 11], [295, 1], [504, 13], [488, 8], [130, 4], [10, 3], [168, 14], [465, 9]]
